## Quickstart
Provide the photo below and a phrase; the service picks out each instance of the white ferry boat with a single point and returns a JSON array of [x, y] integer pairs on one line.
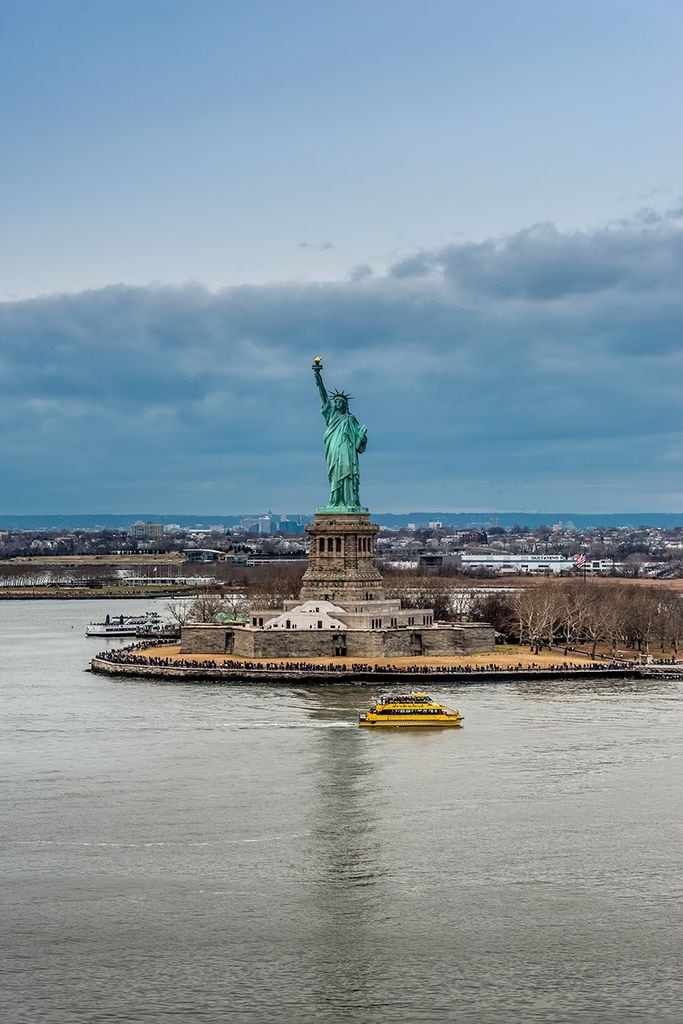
[[124, 625]]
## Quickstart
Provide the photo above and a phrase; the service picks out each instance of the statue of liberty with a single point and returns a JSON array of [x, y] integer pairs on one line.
[[345, 439]]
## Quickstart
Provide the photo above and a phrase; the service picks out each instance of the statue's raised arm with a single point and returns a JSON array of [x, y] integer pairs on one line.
[[344, 440]]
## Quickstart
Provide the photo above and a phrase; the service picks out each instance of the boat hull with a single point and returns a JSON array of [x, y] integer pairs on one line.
[[410, 721], [103, 631]]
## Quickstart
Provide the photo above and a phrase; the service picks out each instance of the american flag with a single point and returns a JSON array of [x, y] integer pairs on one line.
[[579, 561]]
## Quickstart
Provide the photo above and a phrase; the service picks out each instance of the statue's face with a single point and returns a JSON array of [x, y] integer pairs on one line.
[[340, 404]]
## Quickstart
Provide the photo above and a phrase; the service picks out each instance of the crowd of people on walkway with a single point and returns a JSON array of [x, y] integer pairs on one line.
[[133, 655]]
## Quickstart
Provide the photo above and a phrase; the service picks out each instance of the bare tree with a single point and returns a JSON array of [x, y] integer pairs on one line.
[[645, 617], [415, 591], [180, 611], [615, 602], [572, 612], [205, 606], [279, 583], [536, 611], [235, 604], [672, 620], [496, 609], [598, 622]]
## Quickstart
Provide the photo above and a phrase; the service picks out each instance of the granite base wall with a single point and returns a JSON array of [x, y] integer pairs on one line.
[[465, 638], [205, 639]]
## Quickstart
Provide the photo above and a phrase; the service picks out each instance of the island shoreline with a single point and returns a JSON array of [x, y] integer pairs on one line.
[[347, 676]]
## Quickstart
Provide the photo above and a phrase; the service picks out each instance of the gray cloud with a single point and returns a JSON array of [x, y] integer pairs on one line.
[[360, 272], [541, 263], [323, 246], [545, 364]]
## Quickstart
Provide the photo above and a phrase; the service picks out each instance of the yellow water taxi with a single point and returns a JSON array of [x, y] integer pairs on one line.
[[414, 708]]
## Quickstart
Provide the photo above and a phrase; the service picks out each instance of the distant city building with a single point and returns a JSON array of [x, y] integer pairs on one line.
[[287, 527], [147, 531], [273, 522], [291, 524]]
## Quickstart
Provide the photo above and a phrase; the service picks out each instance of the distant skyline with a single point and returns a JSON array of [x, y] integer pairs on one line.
[[480, 518], [474, 212]]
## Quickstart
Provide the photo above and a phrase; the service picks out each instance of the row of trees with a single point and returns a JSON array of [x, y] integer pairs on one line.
[[550, 613], [574, 612], [554, 612]]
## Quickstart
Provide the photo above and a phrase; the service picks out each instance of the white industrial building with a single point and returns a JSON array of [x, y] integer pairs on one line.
[[541, 564]]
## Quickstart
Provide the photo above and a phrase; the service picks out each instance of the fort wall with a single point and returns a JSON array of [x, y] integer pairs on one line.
[[430, 642]]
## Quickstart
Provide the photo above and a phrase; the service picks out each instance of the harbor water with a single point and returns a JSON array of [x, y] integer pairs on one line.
[[212, 853]]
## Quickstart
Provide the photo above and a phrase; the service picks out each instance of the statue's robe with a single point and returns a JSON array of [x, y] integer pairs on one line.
[[344, 440]]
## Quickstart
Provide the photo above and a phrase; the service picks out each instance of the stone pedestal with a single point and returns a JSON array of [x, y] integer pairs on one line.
[[341, 561]]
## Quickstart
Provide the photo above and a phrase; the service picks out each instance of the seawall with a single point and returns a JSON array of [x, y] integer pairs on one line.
[[351, 677]]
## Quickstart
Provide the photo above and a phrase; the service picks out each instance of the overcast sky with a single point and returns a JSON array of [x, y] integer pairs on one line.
[[473, 210]]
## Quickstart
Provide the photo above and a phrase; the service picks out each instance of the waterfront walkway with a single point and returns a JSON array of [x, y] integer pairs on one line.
[[152, 661]]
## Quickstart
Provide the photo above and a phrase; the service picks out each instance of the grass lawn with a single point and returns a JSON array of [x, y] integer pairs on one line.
[[503, 657]]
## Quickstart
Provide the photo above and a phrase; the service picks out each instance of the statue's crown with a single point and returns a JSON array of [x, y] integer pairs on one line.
[[340, 394]]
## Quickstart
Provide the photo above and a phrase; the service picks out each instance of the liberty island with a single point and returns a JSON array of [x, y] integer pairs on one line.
[[342, 625], [342, 611]]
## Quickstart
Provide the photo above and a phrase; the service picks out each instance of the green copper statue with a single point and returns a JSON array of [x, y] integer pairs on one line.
[[345, 439]]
